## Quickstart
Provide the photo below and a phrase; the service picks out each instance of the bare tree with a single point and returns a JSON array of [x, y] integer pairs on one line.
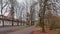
[[12, 2], [32, 10], [43, 5], [2, 7]]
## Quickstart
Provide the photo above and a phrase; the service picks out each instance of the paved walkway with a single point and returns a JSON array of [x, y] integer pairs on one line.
[[8, 28], [3, 30], [25, 31]]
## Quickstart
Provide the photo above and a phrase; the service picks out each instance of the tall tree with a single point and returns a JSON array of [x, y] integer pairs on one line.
[[32, 10], [2, 7], [42, 13], [13, 3], [45, 7]]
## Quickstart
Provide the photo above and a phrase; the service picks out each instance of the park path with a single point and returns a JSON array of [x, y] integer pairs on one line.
[[25, 31], [3, 30]]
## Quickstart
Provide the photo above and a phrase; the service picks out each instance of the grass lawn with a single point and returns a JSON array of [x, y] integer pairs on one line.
[[21, 28]]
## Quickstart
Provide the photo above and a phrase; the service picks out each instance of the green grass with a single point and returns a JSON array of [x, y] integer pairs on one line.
[[21, 28]]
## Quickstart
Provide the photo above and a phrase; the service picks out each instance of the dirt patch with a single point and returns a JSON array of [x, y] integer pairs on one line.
[[46, 32]]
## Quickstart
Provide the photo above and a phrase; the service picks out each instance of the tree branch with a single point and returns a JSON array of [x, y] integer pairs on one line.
[[4, 5]]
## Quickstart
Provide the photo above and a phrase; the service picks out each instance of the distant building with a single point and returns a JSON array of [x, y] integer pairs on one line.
[[8, 21]]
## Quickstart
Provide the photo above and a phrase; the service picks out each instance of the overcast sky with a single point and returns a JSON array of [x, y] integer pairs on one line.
[[28, 4], [20, 1]]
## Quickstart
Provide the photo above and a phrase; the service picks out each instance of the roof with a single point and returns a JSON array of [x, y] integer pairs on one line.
[[8, 18]]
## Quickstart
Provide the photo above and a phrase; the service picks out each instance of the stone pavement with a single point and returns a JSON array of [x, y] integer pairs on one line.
[[25, 31]]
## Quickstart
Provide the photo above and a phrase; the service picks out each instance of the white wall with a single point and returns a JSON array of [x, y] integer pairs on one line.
[[1, 23], [7, 22]]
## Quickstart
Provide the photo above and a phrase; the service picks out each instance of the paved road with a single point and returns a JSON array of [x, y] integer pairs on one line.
[[25, 31], [3, 30]]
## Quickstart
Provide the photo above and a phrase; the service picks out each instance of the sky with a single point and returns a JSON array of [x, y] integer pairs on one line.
[[22, 2], [24, 11], [29, 3]]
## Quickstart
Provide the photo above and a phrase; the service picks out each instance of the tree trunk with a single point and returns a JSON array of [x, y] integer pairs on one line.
[[17, 23]]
